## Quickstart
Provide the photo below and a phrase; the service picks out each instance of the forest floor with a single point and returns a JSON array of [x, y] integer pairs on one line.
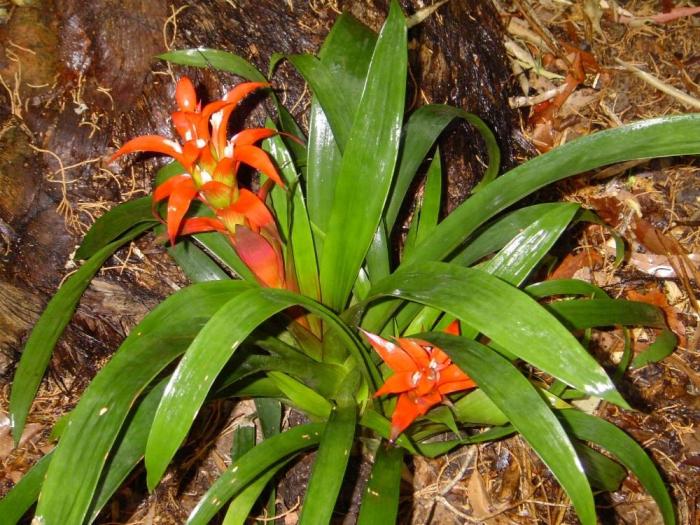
[[579, 67]]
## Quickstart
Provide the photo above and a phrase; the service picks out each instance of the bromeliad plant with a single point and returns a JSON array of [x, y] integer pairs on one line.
[[325, 319]]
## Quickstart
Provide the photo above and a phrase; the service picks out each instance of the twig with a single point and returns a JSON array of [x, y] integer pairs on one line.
[[676, 93], [422, 14]]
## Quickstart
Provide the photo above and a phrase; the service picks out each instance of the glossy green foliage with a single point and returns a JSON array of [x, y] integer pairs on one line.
[[37, 351], [356, 214], [330, 463], [253, 464], [380, 503], [300, 347], [518, 399], [660, 137], [215, 59], [95, 423], [626, 450], [532, 333]]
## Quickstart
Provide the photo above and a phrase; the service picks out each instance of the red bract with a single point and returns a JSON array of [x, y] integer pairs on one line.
[[211, 164], [423, 376]]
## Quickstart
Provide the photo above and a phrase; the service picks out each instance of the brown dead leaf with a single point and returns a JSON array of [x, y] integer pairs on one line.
[[574, 262], [658, 298], [478, 497]]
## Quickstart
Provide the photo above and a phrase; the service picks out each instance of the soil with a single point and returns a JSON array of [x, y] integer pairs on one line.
[[79, 78]]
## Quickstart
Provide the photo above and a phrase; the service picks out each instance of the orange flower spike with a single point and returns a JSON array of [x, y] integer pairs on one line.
[[185, 95], [201, 225], [423, 375], [179, 202], [156, 144], [180, 192], [393, 355], [232, 98], [258, 159], [260, 256]]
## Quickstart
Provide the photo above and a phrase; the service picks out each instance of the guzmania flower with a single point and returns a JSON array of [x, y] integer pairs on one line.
[[423, 376], [210, 164]]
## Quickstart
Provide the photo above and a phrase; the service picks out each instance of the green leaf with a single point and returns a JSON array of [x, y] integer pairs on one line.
[[590, 313], [662, 347], [433, 449], [482, 302], [214, 58], [97, 419], [22, 496], [114, 223], [378, 265], [659, 137], [370, 152], [522, 254], [601, 471], [624, 448], [238, 511], [329, 466], [243, 441], [300, 236], [302, 397], [346, 52], [565, 287], [210, 351], [57, 314], [218, 246], [380, 502], [129, 451], [244, 471], [432, 197], [420, 133], [324, 87], [520, 401], [290, 126], [196, 264], [270, 415], [477, 408], [495, 235], [168, 171]]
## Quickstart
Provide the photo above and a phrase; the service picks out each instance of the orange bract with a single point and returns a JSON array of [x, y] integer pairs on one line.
[[423, 376], [211, 164]]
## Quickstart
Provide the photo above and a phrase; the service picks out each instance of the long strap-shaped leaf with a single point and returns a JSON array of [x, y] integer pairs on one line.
[[238, 511], [37, 352], [211, 350], [330, 464], [130, 449], [508, 316], [368, 164], [300, 237], [524, 252], [624, 448], [660, 137], [323, 85], [346, 52], [513, 263], [96, 422], [527, 412], [23, 495], [242, 472], [590, 313], [420, 133], [114, 223], [222, 60], [495, 235], [380, 501], [196, 264]]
